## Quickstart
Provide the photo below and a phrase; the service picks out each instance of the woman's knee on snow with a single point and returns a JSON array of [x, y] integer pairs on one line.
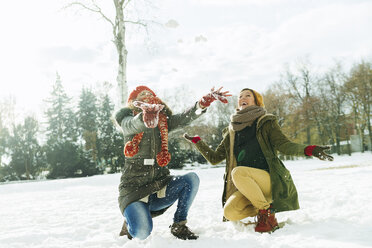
[[141, 232]]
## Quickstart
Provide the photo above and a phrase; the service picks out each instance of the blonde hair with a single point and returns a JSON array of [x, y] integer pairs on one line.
[[258, 98]]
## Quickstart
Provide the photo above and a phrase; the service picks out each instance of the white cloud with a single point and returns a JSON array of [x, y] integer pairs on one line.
[[245, 43], [325, 33], [171, 24]]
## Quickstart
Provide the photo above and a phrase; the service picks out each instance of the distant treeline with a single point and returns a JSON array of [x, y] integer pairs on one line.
[[80, 139]]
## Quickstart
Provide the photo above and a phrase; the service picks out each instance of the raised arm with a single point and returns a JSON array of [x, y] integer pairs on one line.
[[185, 118], [130, 124], [200, 107]]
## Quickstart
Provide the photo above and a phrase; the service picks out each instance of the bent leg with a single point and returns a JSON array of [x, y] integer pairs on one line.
[[254, 184], [238, 207], [139, 220], [182, 188]]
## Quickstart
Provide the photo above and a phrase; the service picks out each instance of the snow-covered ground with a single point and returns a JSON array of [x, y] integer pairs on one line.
[[335, 199]]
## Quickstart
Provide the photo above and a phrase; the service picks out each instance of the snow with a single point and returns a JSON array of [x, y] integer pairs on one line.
[[335, 199]]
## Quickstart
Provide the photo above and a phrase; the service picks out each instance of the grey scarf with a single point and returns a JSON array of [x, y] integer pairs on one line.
[[246, 117]]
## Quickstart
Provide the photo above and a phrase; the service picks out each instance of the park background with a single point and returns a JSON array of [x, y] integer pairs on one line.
[[61, 72], [61, 154]]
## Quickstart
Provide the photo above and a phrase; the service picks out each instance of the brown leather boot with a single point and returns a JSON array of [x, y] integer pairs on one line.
[[124, 231], [266, 221]]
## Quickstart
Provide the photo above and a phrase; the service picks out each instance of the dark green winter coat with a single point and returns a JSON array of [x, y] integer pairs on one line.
[[141, 179], [271, 140]]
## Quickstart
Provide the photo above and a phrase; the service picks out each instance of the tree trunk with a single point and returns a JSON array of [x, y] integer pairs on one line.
[[308, 134], [308, 125], [369, 126], [338, 131], [122, 52], [348, 148], [370, 134], [27, 169], [362, 138]]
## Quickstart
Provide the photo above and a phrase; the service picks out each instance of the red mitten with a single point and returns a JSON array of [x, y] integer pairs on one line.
[[212, 96], [150, 113], [207, 100], [318, 151], [193, 139]]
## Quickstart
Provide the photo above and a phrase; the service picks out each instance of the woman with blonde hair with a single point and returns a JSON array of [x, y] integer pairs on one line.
[[256, 182]]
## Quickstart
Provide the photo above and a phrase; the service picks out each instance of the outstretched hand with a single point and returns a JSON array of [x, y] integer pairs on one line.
[[214, 95], [150, 113], [319, 153], [193, 139]]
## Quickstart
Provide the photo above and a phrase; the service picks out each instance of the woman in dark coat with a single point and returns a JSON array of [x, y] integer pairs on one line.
[[146, 187], [256, 182]]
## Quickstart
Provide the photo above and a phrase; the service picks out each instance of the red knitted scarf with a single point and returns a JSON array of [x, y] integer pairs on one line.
[[131, 148]]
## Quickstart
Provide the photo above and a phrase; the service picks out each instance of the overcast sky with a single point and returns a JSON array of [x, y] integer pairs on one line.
[[233, 43]]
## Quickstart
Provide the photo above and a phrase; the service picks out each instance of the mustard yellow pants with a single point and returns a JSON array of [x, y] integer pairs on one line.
[[254, 193]]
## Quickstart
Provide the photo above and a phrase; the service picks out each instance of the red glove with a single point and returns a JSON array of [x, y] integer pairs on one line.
[[318, 151], [193, 139], [212, 96], [150, 113]]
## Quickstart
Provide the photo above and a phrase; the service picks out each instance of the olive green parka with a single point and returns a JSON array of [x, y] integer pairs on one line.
[[271, 140]]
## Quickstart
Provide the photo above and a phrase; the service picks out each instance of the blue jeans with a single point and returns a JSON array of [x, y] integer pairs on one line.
[[138, 214]]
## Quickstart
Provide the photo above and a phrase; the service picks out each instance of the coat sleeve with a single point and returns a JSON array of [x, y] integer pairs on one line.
[[130, 124], [213, 156], [281, 143], [184, 118]]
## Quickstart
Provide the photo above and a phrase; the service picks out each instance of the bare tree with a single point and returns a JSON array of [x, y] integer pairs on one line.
[[118, 25], [277, 102], [330, 107], [359, 88], [299, 84]]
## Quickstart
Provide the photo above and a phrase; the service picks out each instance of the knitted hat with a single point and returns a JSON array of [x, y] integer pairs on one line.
[[131, 148], [258, 98], [133, 95]]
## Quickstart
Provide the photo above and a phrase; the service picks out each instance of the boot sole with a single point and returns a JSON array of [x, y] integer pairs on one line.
[[280, 225]]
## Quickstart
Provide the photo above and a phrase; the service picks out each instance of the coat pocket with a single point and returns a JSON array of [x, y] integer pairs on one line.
[[281, 170]]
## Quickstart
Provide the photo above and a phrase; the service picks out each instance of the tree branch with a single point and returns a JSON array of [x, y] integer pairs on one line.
[[137, 23], [126, 4], [97, 9]]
